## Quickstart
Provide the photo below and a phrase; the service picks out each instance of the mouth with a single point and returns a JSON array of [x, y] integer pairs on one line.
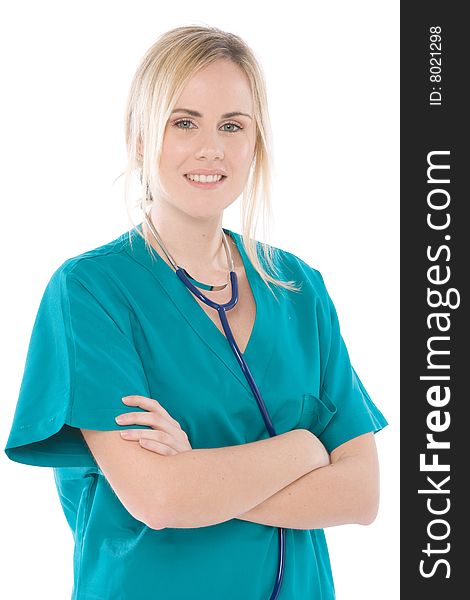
[[206, 185]]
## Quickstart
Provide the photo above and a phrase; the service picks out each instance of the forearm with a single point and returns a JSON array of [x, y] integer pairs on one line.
[[210, 486], [336, 494]]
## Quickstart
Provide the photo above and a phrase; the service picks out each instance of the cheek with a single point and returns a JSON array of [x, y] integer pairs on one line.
[[242, 152], [171, 150], [174, 150]]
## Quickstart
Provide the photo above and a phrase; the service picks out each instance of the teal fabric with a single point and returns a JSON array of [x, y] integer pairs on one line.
[[117, 321]]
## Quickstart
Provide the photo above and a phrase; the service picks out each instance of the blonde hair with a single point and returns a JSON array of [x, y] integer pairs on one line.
[[159, 80]]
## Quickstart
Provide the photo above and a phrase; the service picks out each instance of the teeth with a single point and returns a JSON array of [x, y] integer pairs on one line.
[[204, 178]]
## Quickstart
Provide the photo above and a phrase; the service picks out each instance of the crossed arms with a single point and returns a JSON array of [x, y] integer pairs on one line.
[[287, 480], [282, 481]]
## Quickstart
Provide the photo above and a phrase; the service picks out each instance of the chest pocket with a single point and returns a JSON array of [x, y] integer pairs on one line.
[[303, 411], [317, 412]]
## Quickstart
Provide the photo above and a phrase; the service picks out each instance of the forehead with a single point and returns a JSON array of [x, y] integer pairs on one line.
[[221, 86]]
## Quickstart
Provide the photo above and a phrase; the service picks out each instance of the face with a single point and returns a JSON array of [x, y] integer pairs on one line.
[[199, 138]]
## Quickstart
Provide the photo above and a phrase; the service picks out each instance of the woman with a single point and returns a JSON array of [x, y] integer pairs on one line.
[[197, 491]]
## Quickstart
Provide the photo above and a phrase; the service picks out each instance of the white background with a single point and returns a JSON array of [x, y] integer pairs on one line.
[[332, 72]]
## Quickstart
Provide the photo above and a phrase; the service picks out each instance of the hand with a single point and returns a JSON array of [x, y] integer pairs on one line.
[[166, 436]]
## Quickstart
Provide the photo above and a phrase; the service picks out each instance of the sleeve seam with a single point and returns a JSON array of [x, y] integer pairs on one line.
[[68, 324]]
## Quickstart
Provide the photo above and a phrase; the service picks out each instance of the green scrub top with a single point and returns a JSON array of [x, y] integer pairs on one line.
[[117, 321]]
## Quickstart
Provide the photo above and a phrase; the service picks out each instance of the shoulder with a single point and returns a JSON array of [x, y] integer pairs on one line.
[[107, 258], [290, 266], [96, 271]]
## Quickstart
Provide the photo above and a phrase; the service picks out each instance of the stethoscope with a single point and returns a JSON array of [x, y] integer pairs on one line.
[[221, 309]]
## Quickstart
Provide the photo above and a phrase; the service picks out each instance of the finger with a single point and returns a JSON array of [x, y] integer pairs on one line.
[[149, 404], [175, 443], [157, 447], [154, 434], [150, 419]]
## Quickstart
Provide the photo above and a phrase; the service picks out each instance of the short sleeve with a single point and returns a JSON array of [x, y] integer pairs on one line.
[[80, 362], [344, 409]]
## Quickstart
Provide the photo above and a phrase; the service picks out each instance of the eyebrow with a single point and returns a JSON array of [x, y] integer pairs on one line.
[[195, 113]]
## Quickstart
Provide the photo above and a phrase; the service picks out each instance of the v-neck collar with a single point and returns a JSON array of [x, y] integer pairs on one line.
[[261, 342]]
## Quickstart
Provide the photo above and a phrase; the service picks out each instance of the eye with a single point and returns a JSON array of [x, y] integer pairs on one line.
[[176, 123], [185, 122], [233, 125]]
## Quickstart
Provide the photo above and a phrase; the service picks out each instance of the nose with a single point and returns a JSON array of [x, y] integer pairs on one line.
[[209, 146]]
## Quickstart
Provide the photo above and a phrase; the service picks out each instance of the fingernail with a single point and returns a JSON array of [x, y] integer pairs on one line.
[[119, 419], [124, 433]]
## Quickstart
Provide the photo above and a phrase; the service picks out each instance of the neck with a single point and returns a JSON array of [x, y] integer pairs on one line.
[[194, 244]]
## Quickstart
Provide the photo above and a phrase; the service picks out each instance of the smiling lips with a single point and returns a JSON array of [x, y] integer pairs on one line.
[[205, 181], [204, 178]]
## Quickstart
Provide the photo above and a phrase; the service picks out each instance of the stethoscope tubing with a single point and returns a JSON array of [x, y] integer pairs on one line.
[[221, 309]]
